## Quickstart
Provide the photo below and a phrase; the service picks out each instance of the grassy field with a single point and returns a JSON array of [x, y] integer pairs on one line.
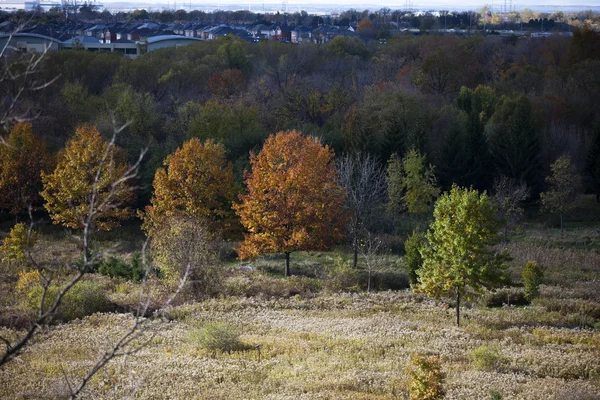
[[302, 341]]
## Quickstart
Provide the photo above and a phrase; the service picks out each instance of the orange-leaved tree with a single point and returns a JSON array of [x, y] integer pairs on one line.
[[22, 161], [198, 183], [294, 201], [89, 176]]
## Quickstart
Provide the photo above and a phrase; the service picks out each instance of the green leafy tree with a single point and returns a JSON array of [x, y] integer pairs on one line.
[[564, 186], [459, 259], [411, 183], [412, 255], [513, 134], [533, 274], [479, 106]]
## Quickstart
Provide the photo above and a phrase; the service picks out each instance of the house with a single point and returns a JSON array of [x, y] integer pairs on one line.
[[301, 34]]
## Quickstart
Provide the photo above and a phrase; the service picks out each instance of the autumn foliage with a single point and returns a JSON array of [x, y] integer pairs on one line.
[[21, 163], [294, 201], [87, 177], [198, 183]]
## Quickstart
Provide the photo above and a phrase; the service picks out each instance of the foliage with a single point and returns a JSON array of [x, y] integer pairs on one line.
[[459, 257], [28, 279], [533, 274], [341, 277], [22, 159], [418, 182], [85, 298], [198, 183], [116, 267], [293, 200], [218, 336], [563, 188], [14, 247], [513, 135], [412, 256], [183, 244], [88, 172], [486, 358], [426, 378]]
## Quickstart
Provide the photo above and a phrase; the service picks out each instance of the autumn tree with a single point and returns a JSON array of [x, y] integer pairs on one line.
[[198, 183], [22, 161], [563, 188], [87, 176], [458, 259], [294, 201], [364, 183]]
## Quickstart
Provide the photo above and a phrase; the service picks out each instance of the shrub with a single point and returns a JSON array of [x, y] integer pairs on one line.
[[181, 244], [532, 279], [14, 247], [115, 267], [85, 298], [259, 284], [486, 358], [412, 256], [218, 336], [425, 378], [28, 279], [505, 296], [341, 277]]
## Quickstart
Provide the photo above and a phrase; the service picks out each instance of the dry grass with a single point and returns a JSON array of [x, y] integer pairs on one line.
[[341, 346], [315, 345]]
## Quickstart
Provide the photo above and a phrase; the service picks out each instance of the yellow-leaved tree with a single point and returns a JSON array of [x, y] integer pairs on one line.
[[198, 183], [22, 161], [294, 201], [89, 176]]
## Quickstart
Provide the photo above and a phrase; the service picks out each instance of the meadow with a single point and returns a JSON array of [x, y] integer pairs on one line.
[[305, 338]]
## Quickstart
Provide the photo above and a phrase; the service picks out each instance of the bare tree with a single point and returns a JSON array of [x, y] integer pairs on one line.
[[509, 196], [370, 248], [364, 181]]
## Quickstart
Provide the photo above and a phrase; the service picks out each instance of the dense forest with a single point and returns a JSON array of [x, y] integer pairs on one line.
[[478, 107]]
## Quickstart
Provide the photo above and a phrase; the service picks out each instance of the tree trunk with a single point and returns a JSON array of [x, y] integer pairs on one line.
[[505, 234], [287, 264], [561, 223], [369, 283], [355, 259], [457, 307]]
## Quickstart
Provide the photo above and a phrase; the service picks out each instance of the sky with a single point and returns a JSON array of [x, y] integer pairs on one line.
[[336, 5]]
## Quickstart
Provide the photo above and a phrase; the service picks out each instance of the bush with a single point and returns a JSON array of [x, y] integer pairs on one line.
[[486, 358], [412, 256], [85, 298], [425, 378], [250, 284], [505, 296], [532, 279], [341, 277], [218, 336], [390, 279], [115, 267]]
